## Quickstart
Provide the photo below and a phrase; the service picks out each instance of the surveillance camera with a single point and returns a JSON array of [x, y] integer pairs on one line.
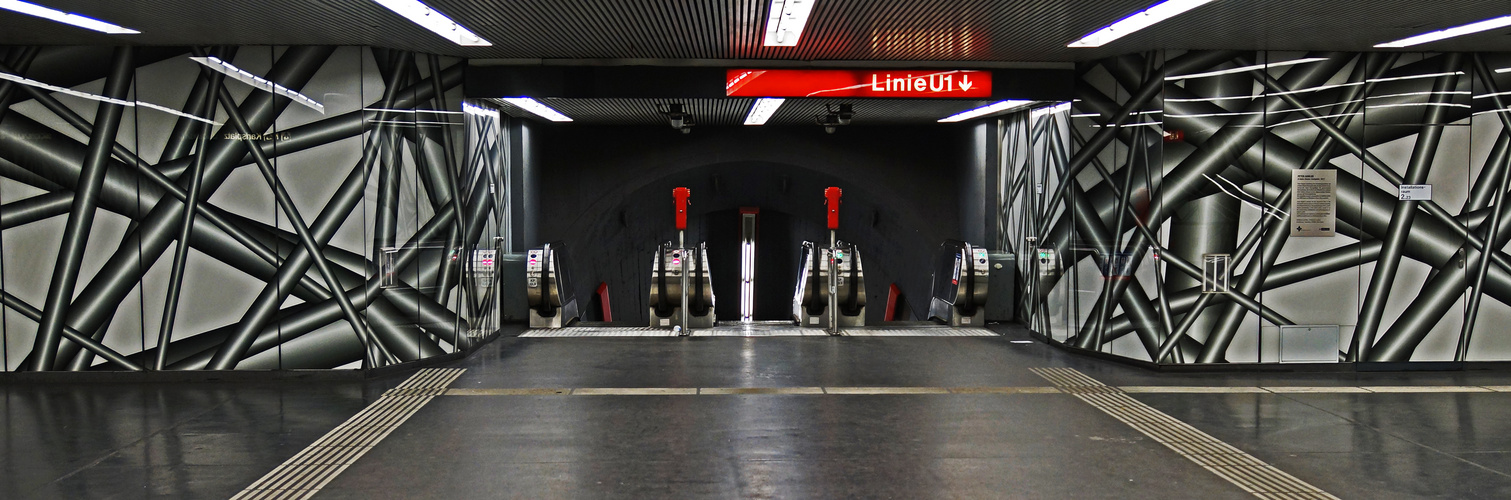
[[829, 129], [687, 130]]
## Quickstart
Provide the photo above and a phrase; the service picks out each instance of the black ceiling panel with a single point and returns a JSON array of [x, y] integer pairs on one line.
[[668, 31]]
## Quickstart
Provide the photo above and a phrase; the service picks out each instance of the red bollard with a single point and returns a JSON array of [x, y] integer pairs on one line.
[[831, 197], [681, 195]]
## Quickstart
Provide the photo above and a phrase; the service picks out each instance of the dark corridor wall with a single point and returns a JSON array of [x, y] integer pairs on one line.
[[606, 193]]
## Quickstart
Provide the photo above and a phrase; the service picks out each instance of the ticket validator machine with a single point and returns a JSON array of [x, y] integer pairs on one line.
[[682, 297], [831, 284], [548, 287]]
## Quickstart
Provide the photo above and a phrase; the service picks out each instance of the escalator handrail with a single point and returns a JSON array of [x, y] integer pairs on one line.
[[851, 304]]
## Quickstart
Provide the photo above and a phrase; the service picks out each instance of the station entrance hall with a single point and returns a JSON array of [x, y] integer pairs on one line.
[[766, 249]]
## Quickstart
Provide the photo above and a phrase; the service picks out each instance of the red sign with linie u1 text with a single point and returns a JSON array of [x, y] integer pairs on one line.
[[911, 84]]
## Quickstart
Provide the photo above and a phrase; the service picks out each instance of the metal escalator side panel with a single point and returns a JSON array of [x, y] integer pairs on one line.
[[702, 301], [802, 292], [660, 297], [853, 302], [818, 300]]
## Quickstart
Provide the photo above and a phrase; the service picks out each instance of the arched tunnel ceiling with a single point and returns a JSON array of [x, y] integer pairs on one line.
[[855, 30]]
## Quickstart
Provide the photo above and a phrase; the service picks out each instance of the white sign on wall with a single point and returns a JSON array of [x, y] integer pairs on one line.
[[1314, 202], [1416, 192]]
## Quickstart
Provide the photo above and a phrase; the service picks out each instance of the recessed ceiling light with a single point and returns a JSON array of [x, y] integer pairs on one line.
[[763, 110], [537, 108], [96, 97], [65, 17], [1486, 25], [433, 20], [1137, 21], [983, 111], [257, 82], [785, 21]]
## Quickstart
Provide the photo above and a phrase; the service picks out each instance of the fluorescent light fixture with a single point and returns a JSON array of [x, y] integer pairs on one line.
[[762, 110], [470, 109], [537, 108], [1317, 118], [983, 111], [257, 82], [65, 17], [1502, 70], [1414, 94], [1137, 21], [1497, 94], [1131, 125], [1280, 112], [1486, 25], [433, 20], [418, 111], [1049, 110], [785, 21], [1414, 77], [1418, 105], [96, 97], [1245, 69], [418, 123]]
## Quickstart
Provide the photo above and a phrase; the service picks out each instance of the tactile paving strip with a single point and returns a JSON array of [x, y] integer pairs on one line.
[[763, 331], [590, 331], [1252, 474], [303, 475], [919, 332]]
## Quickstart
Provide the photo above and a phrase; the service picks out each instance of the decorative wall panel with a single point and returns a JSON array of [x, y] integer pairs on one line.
[[1170, 158], [157, 214]]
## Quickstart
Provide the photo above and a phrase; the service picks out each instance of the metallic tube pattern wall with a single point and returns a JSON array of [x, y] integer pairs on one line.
[[281, 217], [1170, 156]]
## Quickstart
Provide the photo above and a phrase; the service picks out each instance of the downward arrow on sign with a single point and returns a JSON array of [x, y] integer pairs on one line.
[[965, 83]]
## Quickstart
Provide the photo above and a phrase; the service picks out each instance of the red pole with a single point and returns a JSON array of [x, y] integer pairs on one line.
[[681, 195], [603, 301], [831, 198], [892, 295]]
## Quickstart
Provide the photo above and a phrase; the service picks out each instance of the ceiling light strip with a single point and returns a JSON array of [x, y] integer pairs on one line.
[[785, 21], [411, 111], [419, 13], [1418, 105], [537, 108], [1063, 107], [762, 110], [1414, 77], [65, 17], [100, 98], [1314, 118], [471, 109], [1497, 94], [1423, 93], [258, 82], [1245, 69], [1139, 20], [984, 110], [1276, 112], [1433, 36]]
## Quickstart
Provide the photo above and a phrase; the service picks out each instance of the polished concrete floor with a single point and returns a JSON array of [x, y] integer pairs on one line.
[[767, 417]]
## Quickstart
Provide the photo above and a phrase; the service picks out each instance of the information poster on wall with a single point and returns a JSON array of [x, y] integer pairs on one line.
[[1314, 202]]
